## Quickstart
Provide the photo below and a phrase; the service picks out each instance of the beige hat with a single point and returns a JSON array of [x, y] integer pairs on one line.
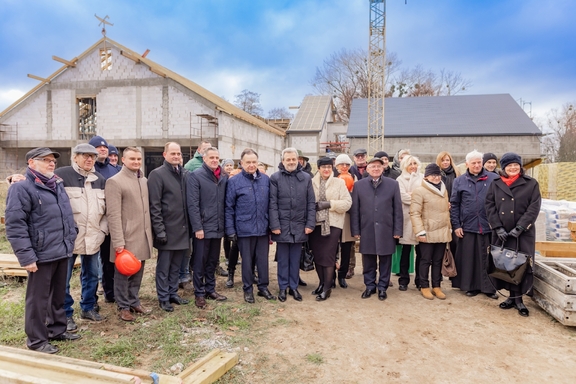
[[343, 159]]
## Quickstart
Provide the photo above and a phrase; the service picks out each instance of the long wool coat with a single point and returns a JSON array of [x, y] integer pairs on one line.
[[430, 212], [128, 213], [408, 183], [376, 215], [339, 197]]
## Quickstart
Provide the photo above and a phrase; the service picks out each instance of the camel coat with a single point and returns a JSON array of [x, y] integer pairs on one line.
[[128, 212], [408, 183], [430, 213], [339, 197]]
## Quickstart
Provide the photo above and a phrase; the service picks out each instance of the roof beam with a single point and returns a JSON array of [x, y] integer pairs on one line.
[[157, 72], [131, 57], [71, 63], [38, 78]]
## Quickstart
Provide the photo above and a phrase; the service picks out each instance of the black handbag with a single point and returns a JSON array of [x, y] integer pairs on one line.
[[508, 264], [306, 258]]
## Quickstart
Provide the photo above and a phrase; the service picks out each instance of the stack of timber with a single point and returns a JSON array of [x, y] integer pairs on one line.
[[556, 248], [9, 266], [24, 366], [572, 228], [555, 288]]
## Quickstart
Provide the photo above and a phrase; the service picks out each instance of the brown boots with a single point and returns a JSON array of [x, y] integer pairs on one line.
[[426, 293], [438, 293]]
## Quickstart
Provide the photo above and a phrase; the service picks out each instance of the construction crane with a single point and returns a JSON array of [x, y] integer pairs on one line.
[[376, 76]]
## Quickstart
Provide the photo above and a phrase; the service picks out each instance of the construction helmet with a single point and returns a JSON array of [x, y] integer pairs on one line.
[[126, 263]]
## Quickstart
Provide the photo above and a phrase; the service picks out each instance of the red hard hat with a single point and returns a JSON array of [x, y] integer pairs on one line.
[[348, 179], [126, 263]]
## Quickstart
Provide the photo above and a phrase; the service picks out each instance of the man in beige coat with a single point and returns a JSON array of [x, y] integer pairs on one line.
[[129, 222]]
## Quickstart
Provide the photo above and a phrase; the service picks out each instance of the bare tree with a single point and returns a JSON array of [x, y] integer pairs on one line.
[[280, 113], [559, 142], [249, 101]]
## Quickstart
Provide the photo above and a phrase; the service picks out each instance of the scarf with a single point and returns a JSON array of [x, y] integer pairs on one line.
[[438, 186], [509, 180], [448, 169], [322, 216], [49, 182], [217, 172]]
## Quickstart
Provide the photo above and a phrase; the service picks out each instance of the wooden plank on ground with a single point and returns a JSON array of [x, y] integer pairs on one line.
[[210, 368], [562, 300], [559, 274], [10, 266], [564, 317], [556, 248]]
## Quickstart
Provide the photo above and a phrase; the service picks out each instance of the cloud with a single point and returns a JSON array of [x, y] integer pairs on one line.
[[9, 96]]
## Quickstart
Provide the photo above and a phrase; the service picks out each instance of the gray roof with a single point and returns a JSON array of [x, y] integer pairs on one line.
[[312, 114], [469, 115]]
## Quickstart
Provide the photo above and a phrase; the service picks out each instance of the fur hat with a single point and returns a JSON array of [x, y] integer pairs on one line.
[[324, 161], [509, 158], [432, 169]]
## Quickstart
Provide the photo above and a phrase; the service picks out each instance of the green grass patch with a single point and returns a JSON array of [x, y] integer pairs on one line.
[[315, 358]]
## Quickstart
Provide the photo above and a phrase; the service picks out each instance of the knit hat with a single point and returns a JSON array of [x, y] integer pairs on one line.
[[381, 154], [488, 156], [509, 158], [343, 159], [112, 150], [432, 169], [98, 141], [226, 161], [324, 161], [85, 148]]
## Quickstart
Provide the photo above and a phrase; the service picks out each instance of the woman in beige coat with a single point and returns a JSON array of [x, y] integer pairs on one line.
[[332, 202], [430, 215]]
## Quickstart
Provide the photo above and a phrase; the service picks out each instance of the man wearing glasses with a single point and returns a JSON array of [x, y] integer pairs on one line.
[[41, 230], [359, 166]]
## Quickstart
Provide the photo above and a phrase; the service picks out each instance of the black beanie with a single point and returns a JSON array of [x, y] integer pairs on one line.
[[324, 161], [381, 154], [432, 169], [488, 156], [509, 158]]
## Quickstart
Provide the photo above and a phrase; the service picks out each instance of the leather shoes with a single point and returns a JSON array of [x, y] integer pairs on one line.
[[215, 296], [403, 287], [165, 305], [47, 348], [126, 315], [66, 336], [178, 300], [382, 295], [140, 309], [318, 290], [282, 295], [522, 310], [367, 293], [472, 293], [200, 302], [265, 293], [323, 295], [492, 296], [342, 282], [302, 283], [507, 304], [249, 297], [294, 293]]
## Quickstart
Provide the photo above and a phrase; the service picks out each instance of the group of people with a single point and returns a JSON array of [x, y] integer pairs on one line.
[[96, 209]]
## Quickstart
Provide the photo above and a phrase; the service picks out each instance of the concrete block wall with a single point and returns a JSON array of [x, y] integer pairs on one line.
[[31, 120], [64, 115], [150, 102], [117, 113]]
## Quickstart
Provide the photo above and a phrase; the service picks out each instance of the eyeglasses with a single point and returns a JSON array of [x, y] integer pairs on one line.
[[360, 155], [344, 165], [434, 176], [46, 160], [87, 156]]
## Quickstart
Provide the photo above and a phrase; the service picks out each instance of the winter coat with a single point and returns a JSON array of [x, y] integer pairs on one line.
[[292, 205], [430, 213], [87, 199], [106, 169], [39, 222], [388, 172], [206, 201], [168, 208], [195, 162], [376, 215], [128, 211], [356, 172], [408, 183], [468, 202], [308, 169], [339, 197], [247, 199], [448, 177]]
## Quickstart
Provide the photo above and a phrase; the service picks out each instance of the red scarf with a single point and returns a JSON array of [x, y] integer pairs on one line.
[[217, 173], [509, 180]]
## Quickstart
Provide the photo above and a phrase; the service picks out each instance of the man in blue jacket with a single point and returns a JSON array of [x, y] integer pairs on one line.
[[41, 230], [246, 213]]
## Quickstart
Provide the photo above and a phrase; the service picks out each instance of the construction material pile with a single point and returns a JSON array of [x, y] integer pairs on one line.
[[558, 214]]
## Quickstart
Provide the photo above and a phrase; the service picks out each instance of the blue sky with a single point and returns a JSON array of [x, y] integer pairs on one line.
[[272, 47]]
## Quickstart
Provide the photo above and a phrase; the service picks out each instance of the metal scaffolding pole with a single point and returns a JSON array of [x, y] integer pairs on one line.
[[377, 79]]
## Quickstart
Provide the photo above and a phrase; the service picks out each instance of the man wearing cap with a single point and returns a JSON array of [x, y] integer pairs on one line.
[[376, 219], [168, 211], [128, 211], [359, 163], [106, 169], [40, 228], [113, 156], [490, 162], [303, 161], [85, 188]]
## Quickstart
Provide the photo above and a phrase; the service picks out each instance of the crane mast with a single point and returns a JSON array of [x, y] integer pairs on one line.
[[376, 76]]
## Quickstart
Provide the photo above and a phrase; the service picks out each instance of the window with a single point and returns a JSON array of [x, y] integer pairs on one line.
[[105, 59], [86, 118]]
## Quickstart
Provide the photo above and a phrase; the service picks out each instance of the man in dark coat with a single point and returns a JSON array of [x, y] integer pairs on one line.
[[205, 195], [359, 166], [376, 219], [41, 230], [292, 217], [247, 196], [468, 217], [388, 170], [169, 215]]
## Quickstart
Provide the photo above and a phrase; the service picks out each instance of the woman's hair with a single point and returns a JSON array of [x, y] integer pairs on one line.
[[441, 156], [407, 160]]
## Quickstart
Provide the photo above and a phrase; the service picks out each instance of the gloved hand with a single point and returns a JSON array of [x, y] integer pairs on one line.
[[502, 234], [233, 237], [162, 240], [516, 231], [322, 205]]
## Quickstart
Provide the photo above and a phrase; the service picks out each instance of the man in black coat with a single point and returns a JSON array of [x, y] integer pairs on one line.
[[292, 215], [205, 195], [376, 219], [169, 215]]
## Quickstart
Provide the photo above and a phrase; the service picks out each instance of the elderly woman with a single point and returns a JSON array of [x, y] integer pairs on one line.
[[512, 206], [332, 202], [409, 180], [430, 215], [227, 165]]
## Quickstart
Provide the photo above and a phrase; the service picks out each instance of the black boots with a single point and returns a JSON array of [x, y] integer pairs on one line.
[[230, 281]]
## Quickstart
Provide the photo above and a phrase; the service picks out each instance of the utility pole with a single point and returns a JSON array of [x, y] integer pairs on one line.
[[376, 76]]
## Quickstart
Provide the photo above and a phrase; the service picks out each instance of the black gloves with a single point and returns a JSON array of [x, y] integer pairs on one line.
[[502, 234], [322, 205], [162, 240], [516, 231]]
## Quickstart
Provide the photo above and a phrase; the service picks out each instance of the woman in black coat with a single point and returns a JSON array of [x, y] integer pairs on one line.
[[512, 206]]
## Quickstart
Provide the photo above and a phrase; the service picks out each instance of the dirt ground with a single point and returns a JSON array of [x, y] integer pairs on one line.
[[405, 338]]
